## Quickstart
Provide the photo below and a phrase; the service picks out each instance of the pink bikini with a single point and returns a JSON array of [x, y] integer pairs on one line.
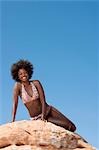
[[25, 97]]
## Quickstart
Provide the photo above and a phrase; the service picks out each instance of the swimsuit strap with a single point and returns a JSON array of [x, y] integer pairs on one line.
[[35, 92]]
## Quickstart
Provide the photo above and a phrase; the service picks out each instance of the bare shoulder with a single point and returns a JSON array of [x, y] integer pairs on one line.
[[39, 86], [37, 83], [17, 86]]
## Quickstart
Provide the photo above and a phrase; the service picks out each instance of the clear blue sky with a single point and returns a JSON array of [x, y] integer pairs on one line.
[[61, 40]]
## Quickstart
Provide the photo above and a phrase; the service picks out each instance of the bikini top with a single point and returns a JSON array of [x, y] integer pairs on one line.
[[26, 97]]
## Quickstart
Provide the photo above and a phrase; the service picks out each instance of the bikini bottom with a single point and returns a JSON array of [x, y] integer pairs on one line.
[[38, 117]]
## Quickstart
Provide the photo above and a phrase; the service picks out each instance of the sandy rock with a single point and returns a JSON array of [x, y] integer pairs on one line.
[[39, 135]]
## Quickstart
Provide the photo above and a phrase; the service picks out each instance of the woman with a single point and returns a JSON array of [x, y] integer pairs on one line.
[[33, 97]]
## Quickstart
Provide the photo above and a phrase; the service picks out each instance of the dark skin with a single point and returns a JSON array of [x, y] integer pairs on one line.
[[38, 106]]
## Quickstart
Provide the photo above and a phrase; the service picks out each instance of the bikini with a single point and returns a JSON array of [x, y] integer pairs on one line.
[[26, 97]]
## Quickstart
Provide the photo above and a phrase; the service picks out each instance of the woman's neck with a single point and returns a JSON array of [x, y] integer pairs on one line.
[[25, 83]]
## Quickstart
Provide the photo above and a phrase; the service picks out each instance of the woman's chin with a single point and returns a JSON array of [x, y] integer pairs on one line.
[[24, 80]]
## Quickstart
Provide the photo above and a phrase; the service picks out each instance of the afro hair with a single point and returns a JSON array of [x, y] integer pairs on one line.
[[21, 64]]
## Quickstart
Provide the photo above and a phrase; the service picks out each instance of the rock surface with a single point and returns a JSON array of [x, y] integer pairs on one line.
[[39, 135]]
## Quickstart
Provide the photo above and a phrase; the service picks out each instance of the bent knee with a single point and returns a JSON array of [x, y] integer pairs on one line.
[[73, 128]]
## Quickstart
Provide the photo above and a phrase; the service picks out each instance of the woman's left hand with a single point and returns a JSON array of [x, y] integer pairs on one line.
[[42, 118]]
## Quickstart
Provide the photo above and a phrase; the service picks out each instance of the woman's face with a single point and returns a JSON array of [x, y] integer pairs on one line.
[[23, 75]]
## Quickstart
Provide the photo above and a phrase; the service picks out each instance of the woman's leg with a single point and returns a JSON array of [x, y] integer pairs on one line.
[[59, 119]]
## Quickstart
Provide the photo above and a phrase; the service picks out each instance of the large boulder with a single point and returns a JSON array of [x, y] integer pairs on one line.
[[39, 135]]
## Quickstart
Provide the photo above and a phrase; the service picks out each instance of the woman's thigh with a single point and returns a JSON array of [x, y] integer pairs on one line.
[[55, 113], [58, 118]]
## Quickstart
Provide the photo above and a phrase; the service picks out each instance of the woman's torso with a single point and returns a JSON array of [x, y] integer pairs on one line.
[[32, 102]]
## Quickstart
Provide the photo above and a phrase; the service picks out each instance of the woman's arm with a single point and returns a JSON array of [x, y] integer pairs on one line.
[[15, 101], [42, 97]]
